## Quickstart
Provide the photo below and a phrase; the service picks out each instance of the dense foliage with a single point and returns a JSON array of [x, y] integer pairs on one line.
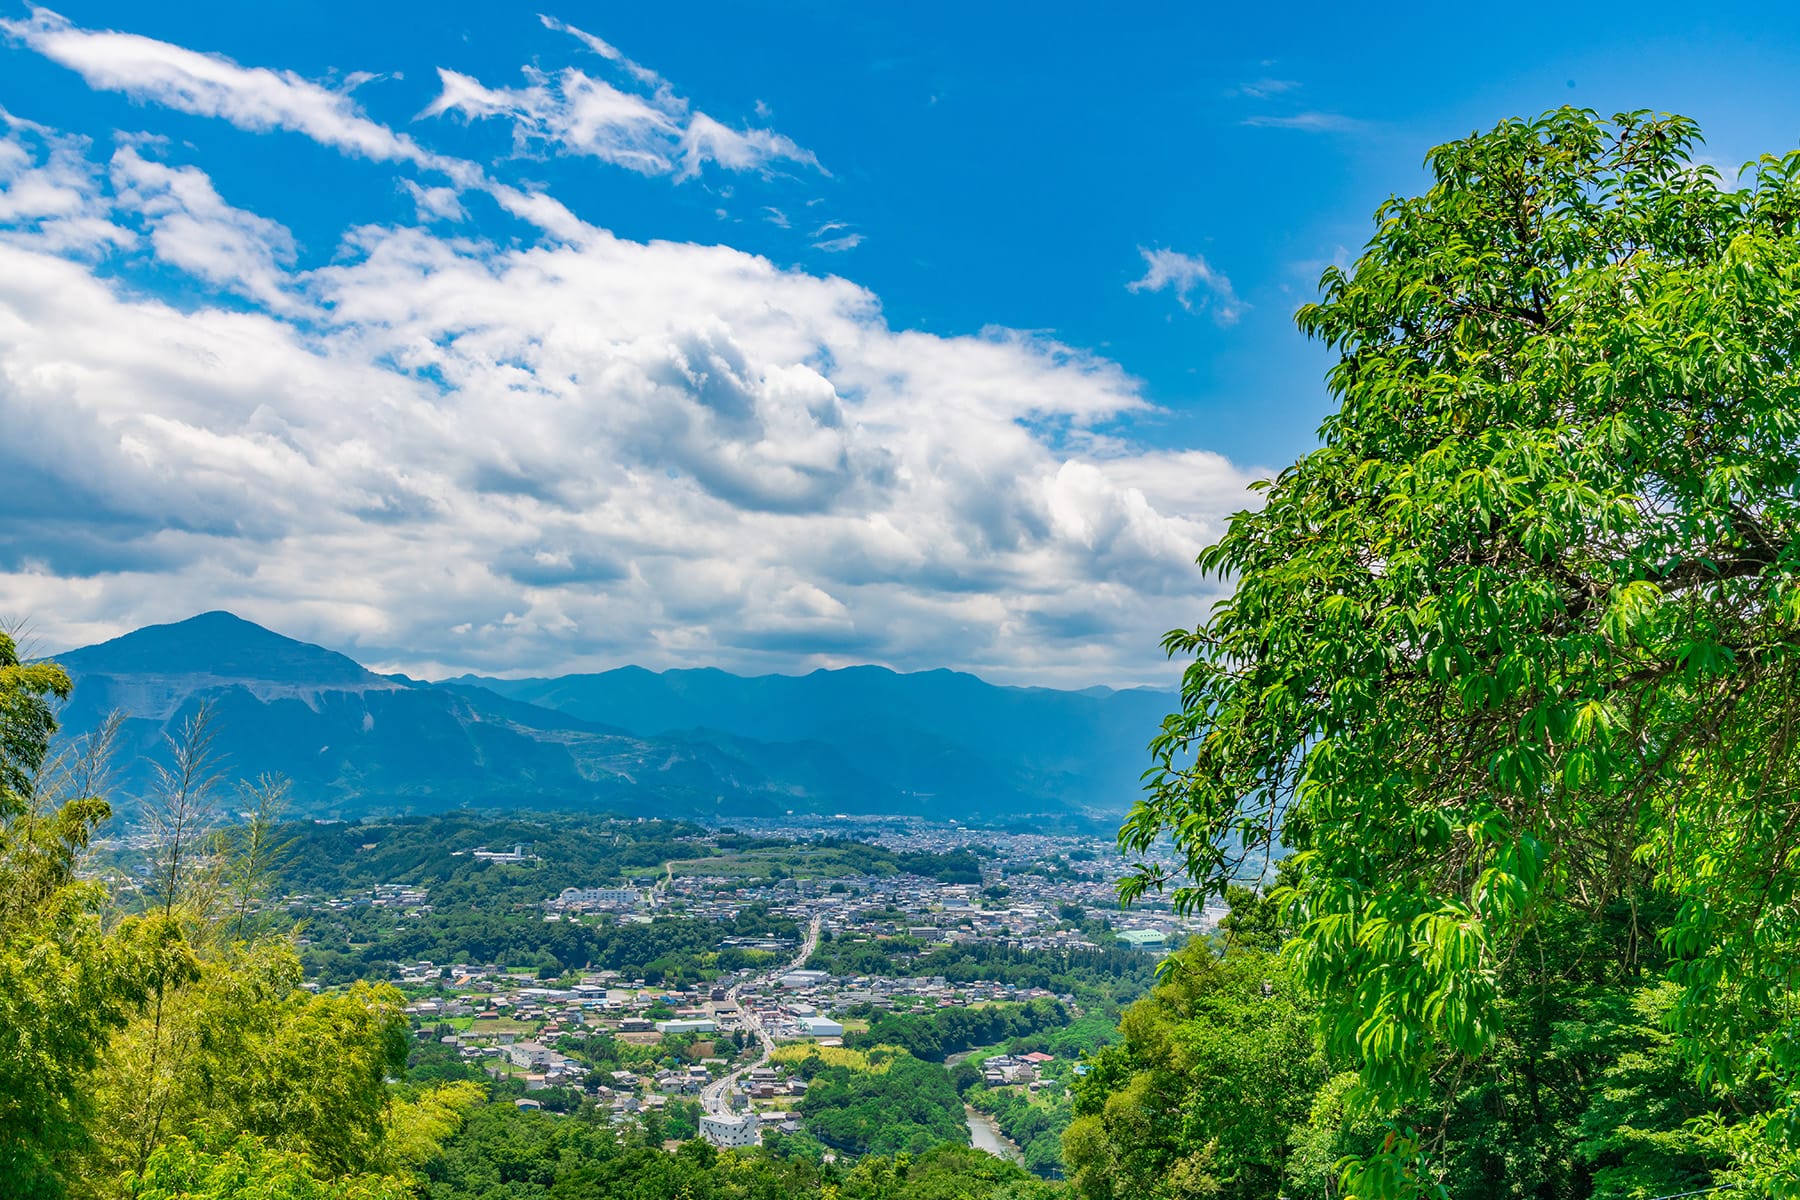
[[502, 1154], [935, 1033], [1513, 657], [900, 1103], [366, 942], [1219, 1087], [1102, 978]]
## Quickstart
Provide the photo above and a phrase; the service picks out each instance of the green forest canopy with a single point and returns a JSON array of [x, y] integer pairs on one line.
[[1518, 648]]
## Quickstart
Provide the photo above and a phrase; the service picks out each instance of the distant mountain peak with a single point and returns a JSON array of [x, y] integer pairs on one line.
[[220, 644]]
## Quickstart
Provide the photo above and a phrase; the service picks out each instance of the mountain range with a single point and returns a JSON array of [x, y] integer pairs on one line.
[[352, 742]]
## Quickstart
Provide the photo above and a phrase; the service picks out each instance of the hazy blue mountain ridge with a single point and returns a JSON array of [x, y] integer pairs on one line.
[[942, 733], [678, 743]]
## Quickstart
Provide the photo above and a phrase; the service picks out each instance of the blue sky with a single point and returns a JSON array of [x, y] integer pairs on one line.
[[767, 337]]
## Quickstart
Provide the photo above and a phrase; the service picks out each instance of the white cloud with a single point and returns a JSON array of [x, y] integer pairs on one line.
[[50, 193], [211, 85], [649, 129], [838, 245], [706, 140], [608, 51], [1186, 274], [194, 230], [569, 113], [444, 452], [435, 203]]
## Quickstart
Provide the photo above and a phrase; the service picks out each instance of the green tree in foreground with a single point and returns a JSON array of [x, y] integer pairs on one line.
[[1217, 1068], [1521, 641], [65, 984], [166, 1054]]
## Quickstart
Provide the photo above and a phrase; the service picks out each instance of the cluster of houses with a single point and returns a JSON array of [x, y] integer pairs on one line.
[[999, 1070], [796, 1009], [1024, 902]]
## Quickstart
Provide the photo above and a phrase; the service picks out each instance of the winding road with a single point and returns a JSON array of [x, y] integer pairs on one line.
[[712, 1096]]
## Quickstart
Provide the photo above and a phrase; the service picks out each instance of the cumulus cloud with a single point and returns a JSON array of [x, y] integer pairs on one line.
[[444, 452], [1186, 275], [194, 230]]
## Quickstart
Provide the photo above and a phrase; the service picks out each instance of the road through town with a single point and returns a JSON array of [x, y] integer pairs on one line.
[[712, 1097]]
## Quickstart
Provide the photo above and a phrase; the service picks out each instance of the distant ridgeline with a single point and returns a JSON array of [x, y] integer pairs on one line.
[[680, 743]]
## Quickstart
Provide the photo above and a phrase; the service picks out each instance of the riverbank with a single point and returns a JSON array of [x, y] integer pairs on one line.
[[984, 1134]]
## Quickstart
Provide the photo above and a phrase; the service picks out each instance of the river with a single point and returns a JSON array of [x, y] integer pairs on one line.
[[985, 1134]]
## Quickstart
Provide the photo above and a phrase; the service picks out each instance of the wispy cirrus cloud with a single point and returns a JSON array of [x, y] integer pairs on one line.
[[706, 140], [830, 238], [608, 51], [644, 125], [1197, 285], [1307, 122], [1262, 89], [211, 85], [568, 113]]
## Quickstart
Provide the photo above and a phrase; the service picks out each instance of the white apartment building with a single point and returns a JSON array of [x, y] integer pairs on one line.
[[731, 1133]]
